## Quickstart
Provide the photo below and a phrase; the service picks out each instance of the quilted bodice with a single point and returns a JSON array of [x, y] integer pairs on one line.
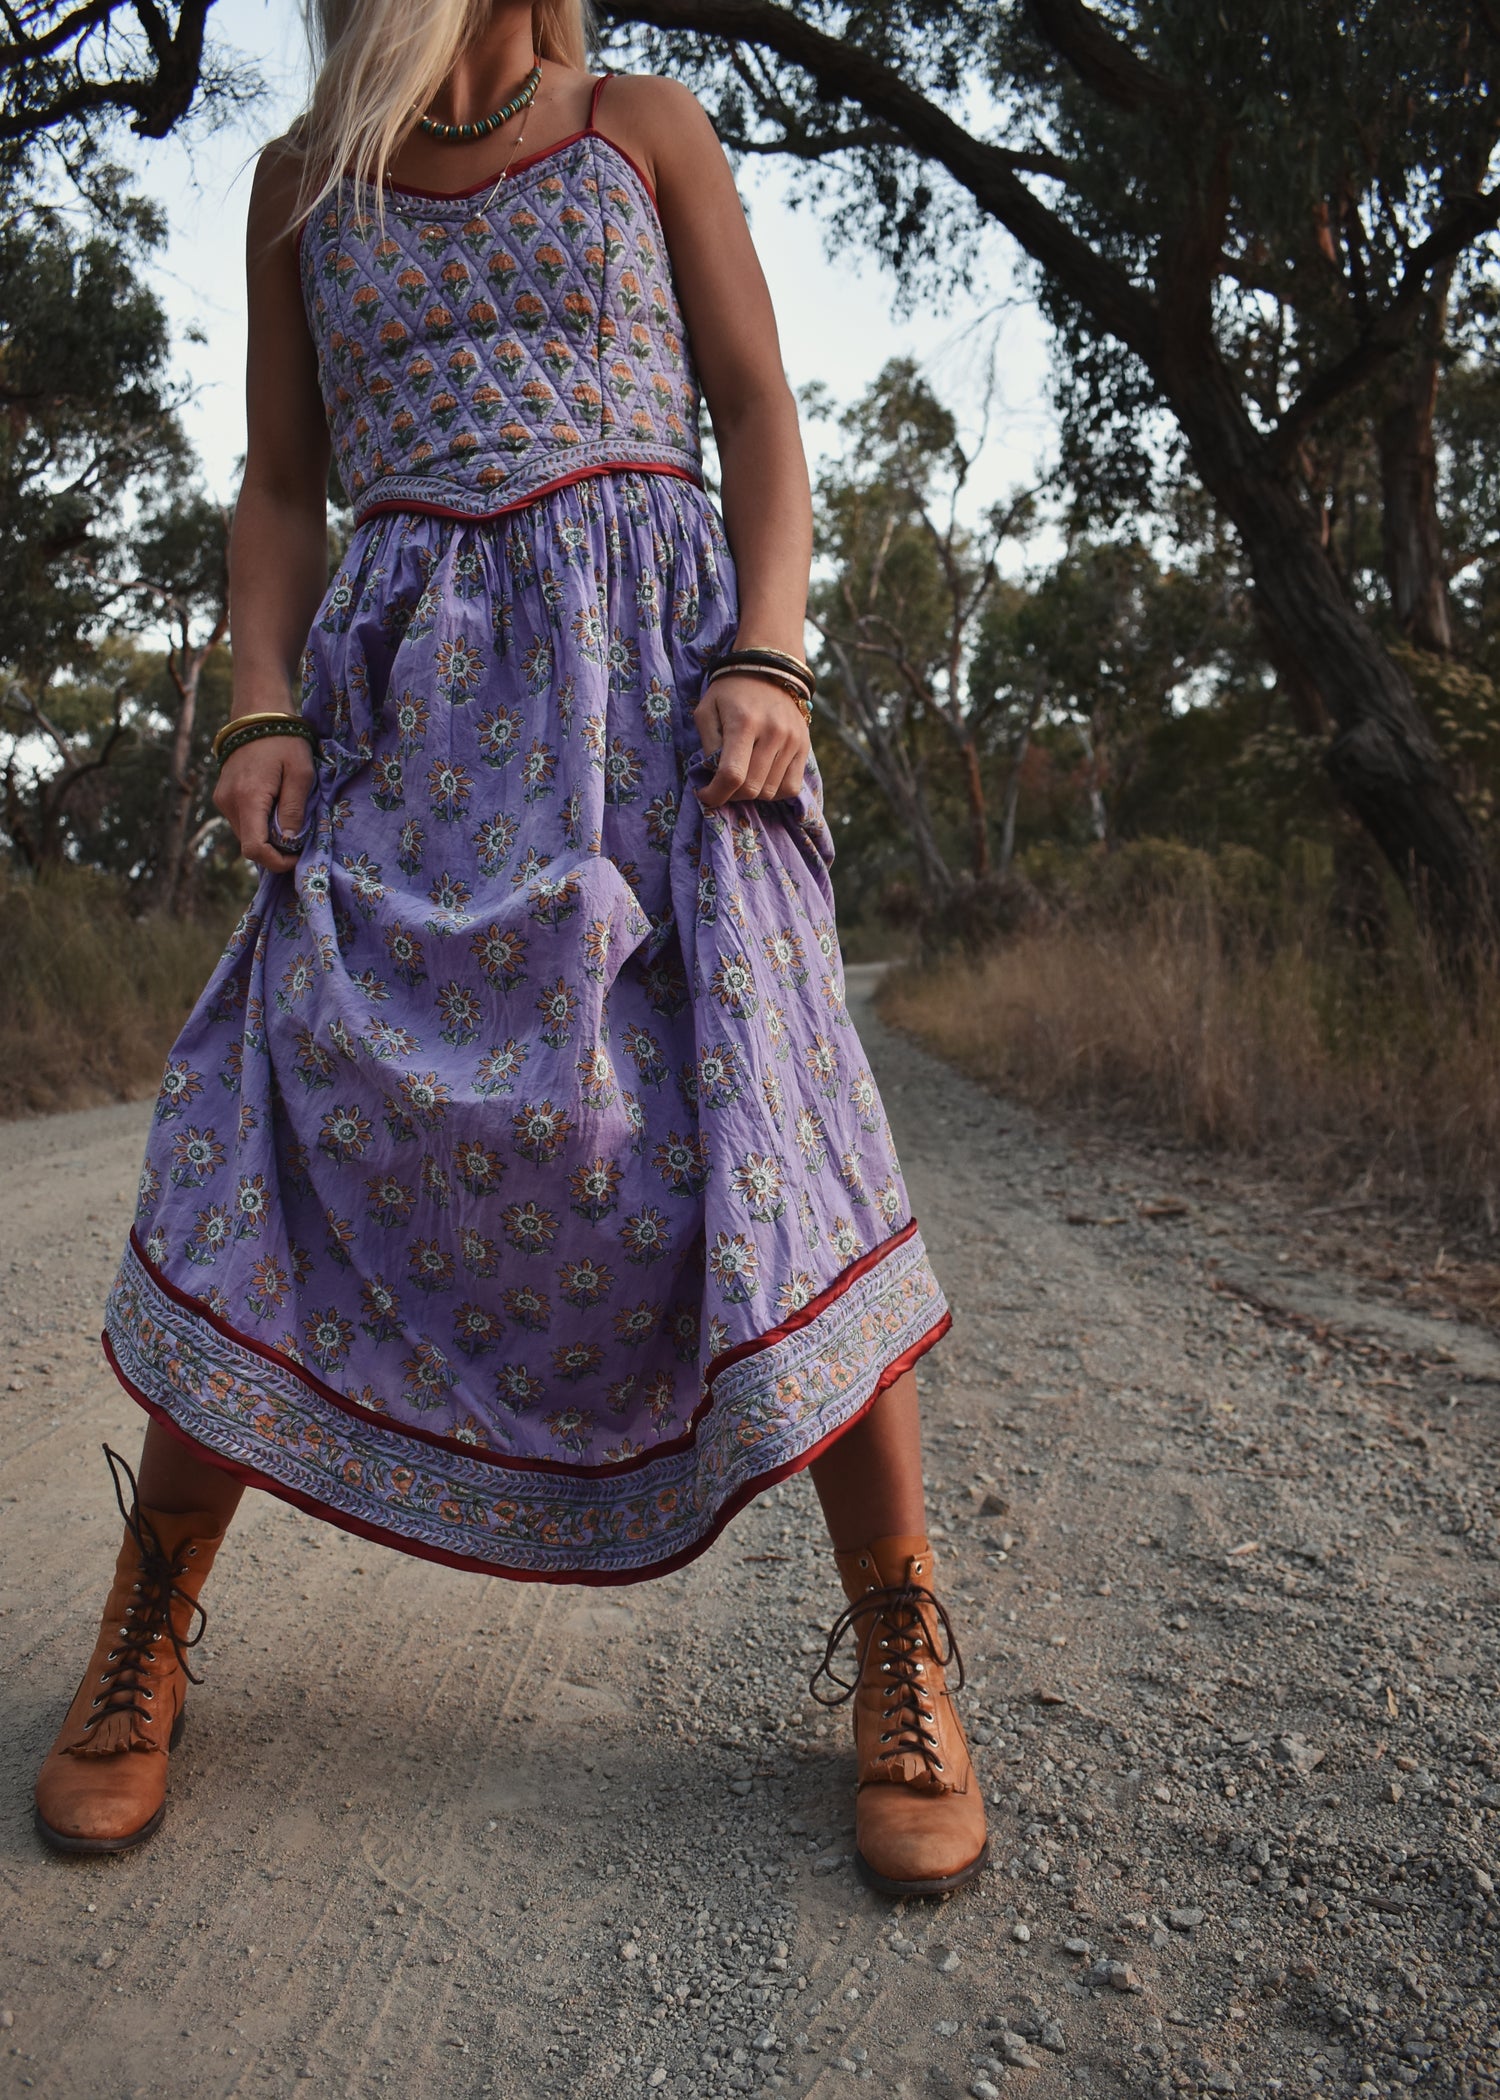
[[476, 350]]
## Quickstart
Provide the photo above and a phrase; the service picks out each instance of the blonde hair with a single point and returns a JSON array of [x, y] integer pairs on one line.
[[379, 60]]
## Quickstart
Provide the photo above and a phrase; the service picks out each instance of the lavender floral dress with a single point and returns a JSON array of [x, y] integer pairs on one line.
[[518, 1193]]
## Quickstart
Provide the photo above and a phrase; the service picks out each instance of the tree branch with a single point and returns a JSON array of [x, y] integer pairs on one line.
[[1102, 62], [845, 71]]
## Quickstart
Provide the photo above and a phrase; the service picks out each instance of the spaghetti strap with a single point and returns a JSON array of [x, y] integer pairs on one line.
[[594, 102]]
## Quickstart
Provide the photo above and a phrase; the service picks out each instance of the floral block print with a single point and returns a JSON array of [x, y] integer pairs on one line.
[[524, 1121], [474, 350]]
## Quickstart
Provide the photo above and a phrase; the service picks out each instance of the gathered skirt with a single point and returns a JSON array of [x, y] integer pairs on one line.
[[517, 1192]]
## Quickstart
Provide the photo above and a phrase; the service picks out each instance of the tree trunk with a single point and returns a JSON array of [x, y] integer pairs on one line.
[[182, 783], [1011, 804], [979, 820], [1383, 759], [1410, 530]]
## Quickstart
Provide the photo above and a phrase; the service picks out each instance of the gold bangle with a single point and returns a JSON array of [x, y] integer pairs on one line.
[[261, 714]]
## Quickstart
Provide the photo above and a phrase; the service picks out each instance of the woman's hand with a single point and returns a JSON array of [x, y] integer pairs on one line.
[[760, 734], [271, 773]]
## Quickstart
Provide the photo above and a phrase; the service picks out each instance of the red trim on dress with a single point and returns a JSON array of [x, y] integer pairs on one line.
[[548, 488], [529, 160], [592, 1578], [558, 1466]]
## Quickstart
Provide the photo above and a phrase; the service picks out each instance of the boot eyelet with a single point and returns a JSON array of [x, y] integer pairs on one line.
[[916, 1567], [97, 1700], [105, 1676], [937, 1764], [885, 1738], [147, 1695]]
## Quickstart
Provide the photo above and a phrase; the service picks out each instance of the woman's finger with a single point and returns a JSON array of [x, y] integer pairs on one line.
[[735, 756], [251, 783], [706, 721]]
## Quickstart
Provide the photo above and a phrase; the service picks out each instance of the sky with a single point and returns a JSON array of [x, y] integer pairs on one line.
[[835, 315]]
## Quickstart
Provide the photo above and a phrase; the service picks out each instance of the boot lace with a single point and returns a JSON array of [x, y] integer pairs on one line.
[[149, 1619], [894, 1615]]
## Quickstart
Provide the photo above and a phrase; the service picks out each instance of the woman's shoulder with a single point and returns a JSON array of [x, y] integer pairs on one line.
[[659, 121], [277, 185]]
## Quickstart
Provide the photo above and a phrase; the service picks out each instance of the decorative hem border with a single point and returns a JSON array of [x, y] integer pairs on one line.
[[271, 1425]]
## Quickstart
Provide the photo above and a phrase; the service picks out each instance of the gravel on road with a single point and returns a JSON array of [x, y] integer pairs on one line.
[[1219, 1533]]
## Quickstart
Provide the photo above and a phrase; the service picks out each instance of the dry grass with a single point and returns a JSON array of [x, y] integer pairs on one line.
[[1353, 1071], [90, 998]]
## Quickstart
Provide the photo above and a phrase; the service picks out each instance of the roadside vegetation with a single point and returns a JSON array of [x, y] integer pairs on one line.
[[93, 995], [1216, 999]]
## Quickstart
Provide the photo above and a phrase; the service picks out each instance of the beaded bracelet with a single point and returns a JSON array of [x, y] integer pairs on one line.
[[799, 693], [248, 729]]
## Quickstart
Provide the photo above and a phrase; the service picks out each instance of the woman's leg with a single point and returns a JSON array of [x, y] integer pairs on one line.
[[103, 1784], [919, 1811], [174, 1480], [870, 1481]]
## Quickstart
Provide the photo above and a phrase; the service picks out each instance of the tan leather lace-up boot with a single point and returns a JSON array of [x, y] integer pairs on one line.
[[919, 1815], [103, 1784]]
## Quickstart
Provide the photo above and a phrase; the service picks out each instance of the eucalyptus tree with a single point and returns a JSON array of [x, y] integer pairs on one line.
[[902, 584], [69, 68], [1241, 221]]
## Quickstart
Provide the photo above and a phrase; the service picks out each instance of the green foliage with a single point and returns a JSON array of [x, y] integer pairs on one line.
[[88, 419]]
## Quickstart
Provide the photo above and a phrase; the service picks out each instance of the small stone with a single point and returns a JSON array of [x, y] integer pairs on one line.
[[1021, 1932], [946, 2028], [1484, 1882], [1014, 2051], [629, 1950], [1295, 1750], [658, 2076], [7, 2018], [739, 1786], [981, 2089], [1118, 1975], [1079, 1947], [993, 1505], [763, 2041], [1392, 1791], [946, 1959], [107, 1959], [1184, 1918], [829, 1864], [1052, 2037]]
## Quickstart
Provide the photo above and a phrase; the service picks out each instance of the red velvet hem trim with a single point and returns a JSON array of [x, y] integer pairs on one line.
[[790, 1325], [548, 488], [593, 1578]]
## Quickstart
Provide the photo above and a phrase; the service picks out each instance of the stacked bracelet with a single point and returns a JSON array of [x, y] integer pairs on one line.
[[247, 729], [777, 665]]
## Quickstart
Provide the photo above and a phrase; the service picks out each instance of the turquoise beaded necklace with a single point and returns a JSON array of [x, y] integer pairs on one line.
[[461, 134]]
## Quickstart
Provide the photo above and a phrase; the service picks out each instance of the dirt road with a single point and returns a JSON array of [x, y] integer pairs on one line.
[[1220, 1536]]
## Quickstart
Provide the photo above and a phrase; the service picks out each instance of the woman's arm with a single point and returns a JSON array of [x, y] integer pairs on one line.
[[278, 548], [759, 731]]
